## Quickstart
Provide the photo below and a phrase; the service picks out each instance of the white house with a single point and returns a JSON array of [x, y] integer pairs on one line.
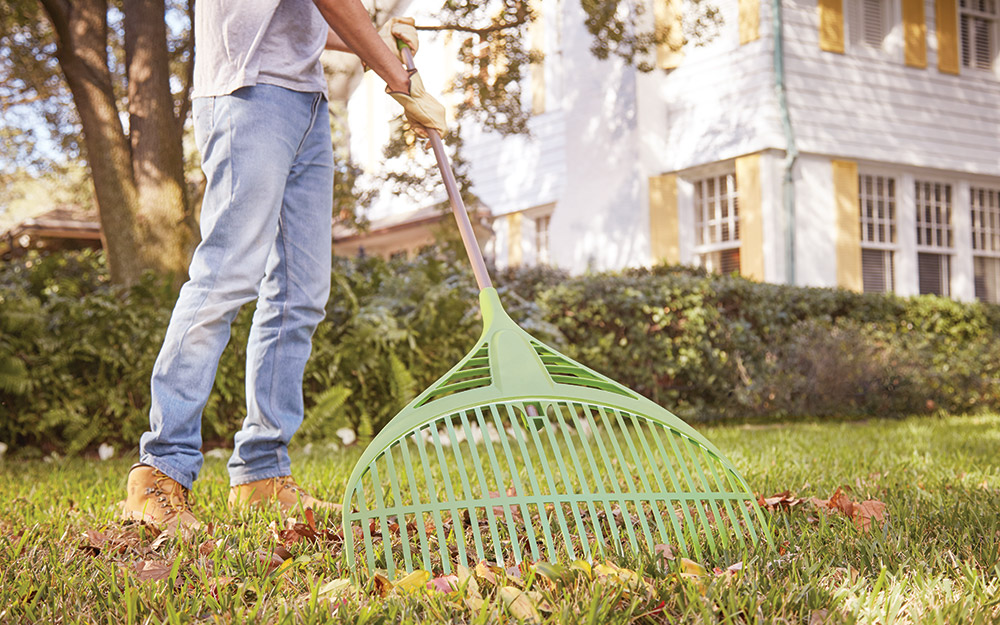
[[851, 143]]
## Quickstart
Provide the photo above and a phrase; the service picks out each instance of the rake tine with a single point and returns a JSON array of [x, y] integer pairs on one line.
[[631, 481], [438, 522], [688, 521], [418, 519], [690, 481], [659, 481], [643, 478], [522, 492], [366, 530], [508, 509], [483, 489], [584, 543], [559, 514], [711, 461], [466, 490], [457, 527], [594, 522], [404, 536], [543, 516], [615, 482], [707, 501], [599, 481], [390, 563]]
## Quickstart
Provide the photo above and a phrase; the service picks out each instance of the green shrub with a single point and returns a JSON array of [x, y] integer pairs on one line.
[[76, 353]]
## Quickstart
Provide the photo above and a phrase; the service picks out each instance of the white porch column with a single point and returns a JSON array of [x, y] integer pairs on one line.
[[963, 286], [907, 282]]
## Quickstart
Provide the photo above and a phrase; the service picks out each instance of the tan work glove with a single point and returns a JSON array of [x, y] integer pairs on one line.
[[403, 29], [422, 110]]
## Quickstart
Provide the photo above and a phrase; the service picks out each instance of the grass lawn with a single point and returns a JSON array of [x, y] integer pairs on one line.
[[65, 558]]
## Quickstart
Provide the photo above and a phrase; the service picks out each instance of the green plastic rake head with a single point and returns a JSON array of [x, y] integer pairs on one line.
[[520, 453]]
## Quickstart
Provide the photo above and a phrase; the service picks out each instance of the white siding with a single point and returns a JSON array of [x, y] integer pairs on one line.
[[720, 102], [872, 106]]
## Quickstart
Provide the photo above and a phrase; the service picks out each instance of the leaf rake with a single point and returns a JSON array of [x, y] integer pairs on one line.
[[520, 453]]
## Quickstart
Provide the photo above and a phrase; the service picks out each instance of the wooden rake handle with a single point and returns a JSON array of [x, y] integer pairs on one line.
[[455, 198]]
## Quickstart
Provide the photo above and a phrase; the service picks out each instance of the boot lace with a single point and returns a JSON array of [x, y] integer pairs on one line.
[[171, 496]]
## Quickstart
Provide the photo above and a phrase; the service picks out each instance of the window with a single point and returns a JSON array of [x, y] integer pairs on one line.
[[977, 32], [877, 201], [542, 238], [985, 205], [717, 223], [868, 22], [934, 237]]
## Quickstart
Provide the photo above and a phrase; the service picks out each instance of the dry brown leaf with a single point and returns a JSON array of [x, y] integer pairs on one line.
[[206, 547], [382, 584], [152, 570], [519, 603], [818, 617], [664, 551], [488, 571], [868, 511]]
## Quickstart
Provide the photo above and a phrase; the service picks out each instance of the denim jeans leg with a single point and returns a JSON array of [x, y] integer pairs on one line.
[[248, 141], [292, 303]]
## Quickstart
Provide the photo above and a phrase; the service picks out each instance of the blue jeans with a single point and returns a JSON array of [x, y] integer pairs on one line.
[[266, 236]]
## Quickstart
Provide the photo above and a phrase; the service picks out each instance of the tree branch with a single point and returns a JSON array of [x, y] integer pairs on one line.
[[521, 20]]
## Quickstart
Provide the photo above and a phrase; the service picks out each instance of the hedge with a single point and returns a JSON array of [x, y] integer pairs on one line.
[[76, 352]]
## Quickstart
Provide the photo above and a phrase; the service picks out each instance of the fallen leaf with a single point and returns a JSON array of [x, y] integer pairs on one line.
[[382, 585], [445, 583], [206, 547], [664, 551], [818, 617], [582, 566], [152, 570], [271, 559], [690, 568], [417, 580], [868, 511], [335, 587], [488, 571], [554, 573], [519, 603], [467, 581]]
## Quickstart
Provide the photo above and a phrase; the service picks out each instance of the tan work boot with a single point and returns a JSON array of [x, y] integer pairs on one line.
[[281, 490], [158, 500]]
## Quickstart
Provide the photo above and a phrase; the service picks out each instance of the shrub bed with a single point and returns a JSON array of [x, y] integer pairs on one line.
[[76, 353]]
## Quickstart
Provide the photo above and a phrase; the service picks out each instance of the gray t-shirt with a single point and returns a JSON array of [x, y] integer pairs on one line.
[[239, 43]]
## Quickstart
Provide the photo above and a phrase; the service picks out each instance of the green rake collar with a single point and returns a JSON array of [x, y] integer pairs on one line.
[[519, 452]]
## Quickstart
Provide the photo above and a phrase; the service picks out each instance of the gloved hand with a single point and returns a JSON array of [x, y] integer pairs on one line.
[[422, 110], [401, 28]]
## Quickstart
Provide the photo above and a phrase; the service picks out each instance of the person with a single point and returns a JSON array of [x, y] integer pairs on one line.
[[261, 125]]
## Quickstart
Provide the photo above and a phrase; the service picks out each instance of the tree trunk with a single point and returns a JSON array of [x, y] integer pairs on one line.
[[82, 42], [165, 227]]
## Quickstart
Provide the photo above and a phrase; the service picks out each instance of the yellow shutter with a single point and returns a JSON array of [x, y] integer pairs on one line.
[[751, 216], [848, 239], [831, 25], [914, 33], [514, 255], [537, 36], [664, 229], [669, 54], [947, 35], [749, 20]]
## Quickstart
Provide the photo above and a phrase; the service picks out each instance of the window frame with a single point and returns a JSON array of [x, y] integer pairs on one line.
[[994, 32], [702, 250], [891, 223]]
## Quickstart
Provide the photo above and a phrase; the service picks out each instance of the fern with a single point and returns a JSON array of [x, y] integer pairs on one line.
[[326, 416]]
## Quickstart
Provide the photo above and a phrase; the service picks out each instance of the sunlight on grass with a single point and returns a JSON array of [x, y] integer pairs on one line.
[[65, 558]]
